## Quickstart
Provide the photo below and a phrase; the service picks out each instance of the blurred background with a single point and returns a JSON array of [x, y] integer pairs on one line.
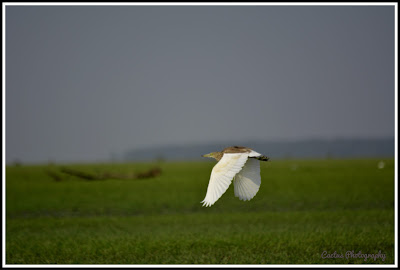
[[114, 83]]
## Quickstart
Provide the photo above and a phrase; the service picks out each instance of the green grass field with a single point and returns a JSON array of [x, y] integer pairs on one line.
[[303, 208]]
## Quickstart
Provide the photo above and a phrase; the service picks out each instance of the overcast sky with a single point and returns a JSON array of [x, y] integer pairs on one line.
[[83, 82]]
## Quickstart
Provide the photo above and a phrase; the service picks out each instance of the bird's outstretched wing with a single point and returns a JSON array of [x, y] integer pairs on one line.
[[222, 175], [247, 182]]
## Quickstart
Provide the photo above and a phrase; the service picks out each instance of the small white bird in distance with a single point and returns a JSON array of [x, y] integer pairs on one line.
[[237, 163]]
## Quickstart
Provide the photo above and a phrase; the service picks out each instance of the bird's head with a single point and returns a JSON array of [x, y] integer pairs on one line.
[[216, 155]]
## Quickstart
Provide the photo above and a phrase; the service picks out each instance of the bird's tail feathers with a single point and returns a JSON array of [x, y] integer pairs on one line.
[[262, 158]]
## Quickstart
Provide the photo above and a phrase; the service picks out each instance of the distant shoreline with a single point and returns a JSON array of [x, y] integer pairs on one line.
[[311, 148]]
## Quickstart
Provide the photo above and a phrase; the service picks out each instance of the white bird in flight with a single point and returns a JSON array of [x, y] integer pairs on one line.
[[237, 163]]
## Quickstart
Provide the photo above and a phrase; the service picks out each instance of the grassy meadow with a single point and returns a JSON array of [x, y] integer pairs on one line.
[[303, 209]]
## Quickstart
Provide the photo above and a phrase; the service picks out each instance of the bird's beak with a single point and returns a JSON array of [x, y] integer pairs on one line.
[[206, 155]]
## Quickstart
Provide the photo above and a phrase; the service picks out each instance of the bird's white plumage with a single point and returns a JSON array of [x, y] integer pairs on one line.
[[247, 182], [222, 174], [254, 154]]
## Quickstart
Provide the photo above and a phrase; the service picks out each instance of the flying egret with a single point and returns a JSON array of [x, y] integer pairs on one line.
[[240, 164]]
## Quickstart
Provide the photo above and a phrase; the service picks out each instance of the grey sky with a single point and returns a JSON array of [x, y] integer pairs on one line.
[[82, 82]]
